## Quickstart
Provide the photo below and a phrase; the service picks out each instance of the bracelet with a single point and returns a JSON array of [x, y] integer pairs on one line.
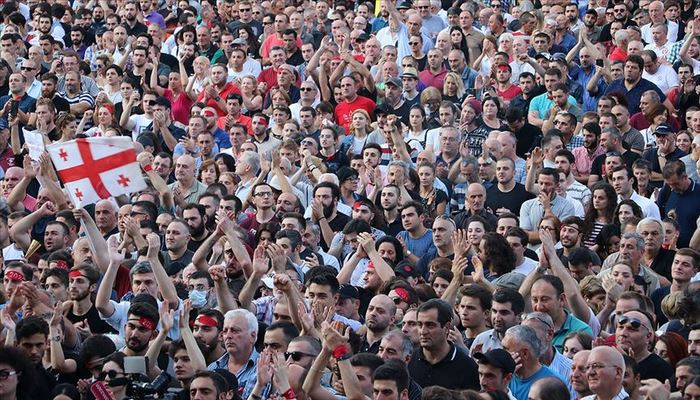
[[289, 394], [341, 352]]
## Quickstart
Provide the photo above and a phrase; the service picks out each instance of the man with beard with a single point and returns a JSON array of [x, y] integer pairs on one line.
[[508, 195], [325, 211], [200, 290], [71, 62], [32, 335], [571, 235], [132, 24], [381, 312], [177, 254], [140, 71], [210, 202], [106, 218], [141, 321], [81, 311], [49, 82], [195, 216], [575, 191], [79, 100], [215, 95], [148, 278], [77, 38], [633, 334], [630, 135], [632, 85], [207, 328], [389, 201], [586, 154]]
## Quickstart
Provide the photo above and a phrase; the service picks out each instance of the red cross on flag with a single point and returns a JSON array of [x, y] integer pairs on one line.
[[97, 168]]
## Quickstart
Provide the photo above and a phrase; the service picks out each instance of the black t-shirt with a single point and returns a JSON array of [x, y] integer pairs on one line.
[[654, 367], [295, 59], [512, 200], [393, 229], [61, 104], [457, 371], [662, 263], [337, 224], [96, 324], [172, 267], [597, 168], [528, 137]]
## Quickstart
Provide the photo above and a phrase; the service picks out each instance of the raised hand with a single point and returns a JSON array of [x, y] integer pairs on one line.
[[478, 274], [217, 273], [57, 315], [167, 317], [153, 245], [282, 282], [185, 314], [367, 242], [460, 242], [332, 338], [116, 255], [261, 261]]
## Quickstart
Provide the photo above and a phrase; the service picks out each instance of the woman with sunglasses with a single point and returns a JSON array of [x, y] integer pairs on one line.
[[113, 370]]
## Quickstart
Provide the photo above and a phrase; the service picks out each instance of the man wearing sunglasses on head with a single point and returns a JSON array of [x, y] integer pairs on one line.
[[633, 334]]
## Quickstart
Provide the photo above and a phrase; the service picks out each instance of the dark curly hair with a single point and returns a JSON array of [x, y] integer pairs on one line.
[[608, 213], [499, 257]]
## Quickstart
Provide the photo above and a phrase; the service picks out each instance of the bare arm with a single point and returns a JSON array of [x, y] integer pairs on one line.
[[165, 284], [197, 360], [260, 267], [98, 244], [20, 231], [199, 259], [104, 291], [19, 192], [224, 297]]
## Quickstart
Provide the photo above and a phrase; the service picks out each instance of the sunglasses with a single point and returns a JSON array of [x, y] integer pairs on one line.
[[151, 102], [26, 68], [297, 355], [111, 374], [306, 89], [633, 322], [397, 300]]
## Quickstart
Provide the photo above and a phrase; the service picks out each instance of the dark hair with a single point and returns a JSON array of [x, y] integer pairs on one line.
[[504, 295], [608, 213], [499, 256], [59, 273], [444, 310], [95, 346], [518, 232], [420, 210], [603, 239], [554, 387], [143, 309], [289, 330], [149, 207], [20, 362], [369, 360], [29, 326], [357, 226], [637, 59], [393, 370], [554, 281], [553, 172], [478, 292], [216, 314], [593, 128], [323, 276], [398, 247], [335, 190], [87, 270]]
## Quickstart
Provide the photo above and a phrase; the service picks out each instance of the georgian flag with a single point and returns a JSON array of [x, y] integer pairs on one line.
[[97, 168]]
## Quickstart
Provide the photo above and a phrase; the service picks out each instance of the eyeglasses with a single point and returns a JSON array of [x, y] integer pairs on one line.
[[150, 102], [4, 374], [244, 10], [561, 123], [598, 367], [546, 228], [613, 154], [413, 43], [633, 322], [135, 213], [111, 374], [423, 7], [264, 194], [297, 355], [306, 89], [495, 6], [23, 68]]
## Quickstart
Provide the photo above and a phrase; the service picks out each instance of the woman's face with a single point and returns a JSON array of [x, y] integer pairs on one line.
[[623, 275], [490, 109], [126, 90], [625, 213], [475, 231], [280, 117], [683, 142], [571, 347], [112, 370], [174, 82], [70, 129], [265, 238], [426, 176], [661, 350], [9, 385], [660, 119], [415, 117], [440, 286], [506, 45], [112, 76], [359, 121], [600, 200], [450, 86], [243, 34], [104, 117], [228, 183], [387, 250], [222, 165], [247, 85], [209, 175], [456, 37], [279, 100]]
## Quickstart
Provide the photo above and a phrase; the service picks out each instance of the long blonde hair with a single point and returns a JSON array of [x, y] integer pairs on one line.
[[365, 114]]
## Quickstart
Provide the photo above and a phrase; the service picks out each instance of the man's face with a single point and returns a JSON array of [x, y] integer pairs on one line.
[[629, 253], [321, 294], [144, 284], [544, 298], [547, 184], [177, 236], [56, 289], [442, 233], [634, 333], [379, 314], [183, 365], [34, 345], [203, 388], [491, 378], [470, 312], [136, 334], [694, 342], [432, 334], [653, 235], [237, 335], [79, 287], [578, 371], [194, 221], [207, 335], [54, 237], [503, 316], [570, 235], [632, 72]]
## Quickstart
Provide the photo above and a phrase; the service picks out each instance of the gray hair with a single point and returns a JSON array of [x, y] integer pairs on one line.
[[527, 336], [252, 159], [400, 164], [470, 160], [249, 317], [143, 267], [637, 237], [650, 220], [406, 343]]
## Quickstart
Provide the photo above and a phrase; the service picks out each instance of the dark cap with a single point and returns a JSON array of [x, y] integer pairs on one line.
[[404, 5], [546, 56], [499, 358], [346, 173], [383, 109], [145, 139], [347, 291], [363, 37], [663, 129], [580, 255], [591, 11], [559, 57], [406, 269], [396, 81]]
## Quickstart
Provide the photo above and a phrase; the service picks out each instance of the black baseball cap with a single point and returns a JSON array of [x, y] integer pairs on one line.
[[499, 358], [406, 269], [383, 109], [347, 291]]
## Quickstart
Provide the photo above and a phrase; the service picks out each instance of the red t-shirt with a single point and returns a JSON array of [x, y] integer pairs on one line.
[[180, 106], [229, 88], [344, 110], [242, 119], [618, 55], [512, 91]]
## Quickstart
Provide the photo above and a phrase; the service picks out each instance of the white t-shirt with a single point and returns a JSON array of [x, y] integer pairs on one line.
[[137, 124]]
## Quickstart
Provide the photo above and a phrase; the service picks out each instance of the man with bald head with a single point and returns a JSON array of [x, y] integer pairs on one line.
[[380, 316], [605, 371], [578, 378], [106, 218], [186, 186], [656, 15], [476, 198], [633, 335]]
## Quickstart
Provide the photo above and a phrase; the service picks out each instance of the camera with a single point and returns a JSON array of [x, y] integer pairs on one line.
[[139, 387]]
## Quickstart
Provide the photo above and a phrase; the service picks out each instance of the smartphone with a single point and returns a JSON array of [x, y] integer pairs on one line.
[[14, 108], [100, 391]]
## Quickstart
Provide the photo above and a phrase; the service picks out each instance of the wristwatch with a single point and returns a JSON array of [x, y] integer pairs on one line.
[[56, 338]]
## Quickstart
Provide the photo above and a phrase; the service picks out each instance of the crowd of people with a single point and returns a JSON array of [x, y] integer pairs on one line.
[[436, 200]]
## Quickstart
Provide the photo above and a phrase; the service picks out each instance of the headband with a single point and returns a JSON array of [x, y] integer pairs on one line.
[[14, 276], [109, 107], [370, 265], [147, 323], [62, 265], [402, 293], [207, 321], [74, 274]]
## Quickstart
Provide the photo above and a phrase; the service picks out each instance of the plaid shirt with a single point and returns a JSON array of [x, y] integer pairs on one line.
[[575, 142]]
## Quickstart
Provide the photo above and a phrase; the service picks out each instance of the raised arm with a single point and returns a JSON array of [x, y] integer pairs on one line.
[[239, 251], [384, 271], [199, 259], [167, 320], [21, 230], [333, 340], [98, 244], [19, 192], [261, 264], [58, 360], [165, 284], [224, 297], [104, 291]]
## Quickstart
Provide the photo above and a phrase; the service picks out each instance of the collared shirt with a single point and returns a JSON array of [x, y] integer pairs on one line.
[[649, 208], [196, 190], [621, 395], [562, 366], [532, 211], [442, 373], [486, 341], [635, 94], [34, 90], [247, 375], [575, 142], [571, 324], [579, 192]]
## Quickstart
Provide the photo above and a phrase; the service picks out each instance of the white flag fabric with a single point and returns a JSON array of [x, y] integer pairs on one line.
[[97, 168]]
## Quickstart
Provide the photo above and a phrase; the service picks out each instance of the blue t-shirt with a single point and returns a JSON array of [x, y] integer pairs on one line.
[[418, 246], [520, 388]]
